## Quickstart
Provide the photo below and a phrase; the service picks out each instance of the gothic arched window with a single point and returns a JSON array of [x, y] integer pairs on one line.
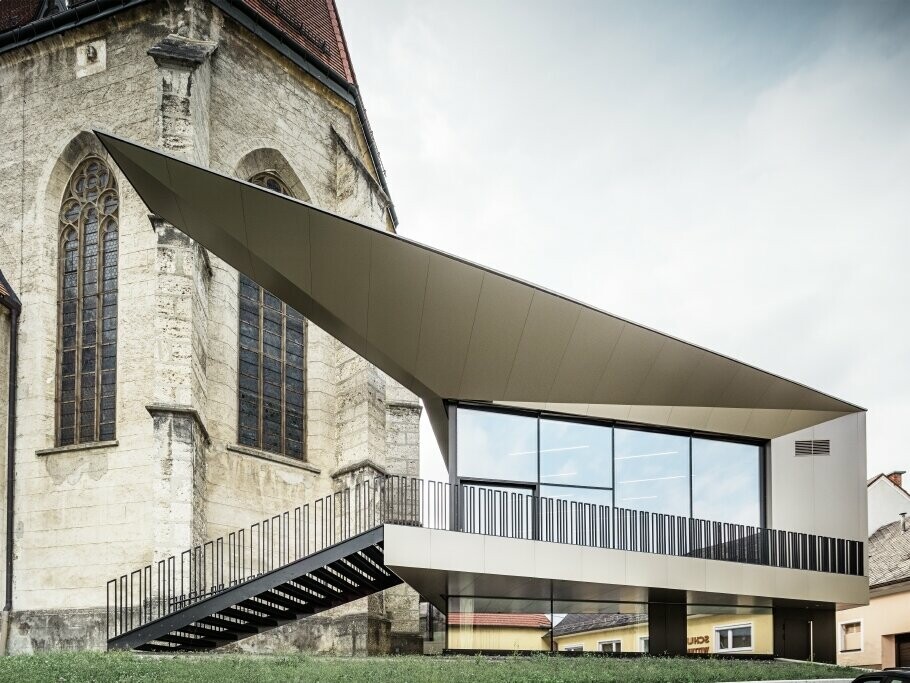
[[271, 382], [87, 306]]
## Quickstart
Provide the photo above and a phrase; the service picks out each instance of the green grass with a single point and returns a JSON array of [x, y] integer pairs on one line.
[[95, 667]]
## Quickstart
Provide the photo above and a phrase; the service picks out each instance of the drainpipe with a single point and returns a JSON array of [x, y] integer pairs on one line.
[[12, 304]]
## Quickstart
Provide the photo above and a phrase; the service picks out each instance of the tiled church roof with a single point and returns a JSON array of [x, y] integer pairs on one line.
[[312, 25], [15, 13]]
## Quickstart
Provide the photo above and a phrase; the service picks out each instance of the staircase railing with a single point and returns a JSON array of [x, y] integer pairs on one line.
[[172, 583]]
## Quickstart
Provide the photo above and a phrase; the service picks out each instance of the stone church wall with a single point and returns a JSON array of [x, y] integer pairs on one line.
[[175, 475]]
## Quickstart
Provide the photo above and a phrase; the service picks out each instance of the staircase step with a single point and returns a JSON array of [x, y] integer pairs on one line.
[[235, 626], [184, 641], [254, 619], [209, 633]]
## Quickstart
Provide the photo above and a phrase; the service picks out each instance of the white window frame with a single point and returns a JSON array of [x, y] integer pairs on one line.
[[575, 647], [641, 644], [841, 634], [730, 627], [615, 641]]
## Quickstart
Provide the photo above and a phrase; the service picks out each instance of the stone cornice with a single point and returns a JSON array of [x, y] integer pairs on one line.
[[182, 411], [181, 52], [362, 464]]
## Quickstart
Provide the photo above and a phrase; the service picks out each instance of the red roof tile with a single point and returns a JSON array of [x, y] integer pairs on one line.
[[515, 620], [312, 25], [15, 13]]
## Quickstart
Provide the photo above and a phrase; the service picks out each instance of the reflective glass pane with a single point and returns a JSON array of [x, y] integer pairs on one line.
[[497, 445], [600, 626], [652, 471], [714, 628], [573, 453], [726, 482], [509, 625]]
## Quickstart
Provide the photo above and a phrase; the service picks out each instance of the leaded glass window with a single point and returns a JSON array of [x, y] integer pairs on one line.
[[271, 382], [87, 307]]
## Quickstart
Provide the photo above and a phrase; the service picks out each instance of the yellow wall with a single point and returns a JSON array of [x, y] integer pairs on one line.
[[883, 617], [699, 627], [629, 635], [497, 638]]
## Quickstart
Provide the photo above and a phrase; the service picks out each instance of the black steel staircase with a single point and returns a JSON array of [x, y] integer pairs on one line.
[[341, 573], [276, 571]]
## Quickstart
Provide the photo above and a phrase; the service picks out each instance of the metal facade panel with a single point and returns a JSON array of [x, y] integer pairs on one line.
[[281, 248], [453, 289], [630, 363], [501, 314], [544, 339], [340, 263], [586, 358], [398, 280]]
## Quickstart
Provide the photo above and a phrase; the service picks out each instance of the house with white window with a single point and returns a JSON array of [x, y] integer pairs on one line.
[[878, 634]]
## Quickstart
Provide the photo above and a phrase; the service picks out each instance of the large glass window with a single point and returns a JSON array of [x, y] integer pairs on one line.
[[500, 446], [726, 482], [575, 453], [87, 306], [604, 464], [652, 471]]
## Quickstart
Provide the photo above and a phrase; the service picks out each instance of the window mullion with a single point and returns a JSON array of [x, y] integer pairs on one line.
[[99, 310], [77, 355], [284, 382], [260, 438]]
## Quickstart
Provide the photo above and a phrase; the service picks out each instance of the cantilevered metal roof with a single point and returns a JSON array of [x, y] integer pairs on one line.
[[448, 329]]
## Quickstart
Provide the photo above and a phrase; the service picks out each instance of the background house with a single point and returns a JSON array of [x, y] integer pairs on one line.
[[878, 635], [887, 499]]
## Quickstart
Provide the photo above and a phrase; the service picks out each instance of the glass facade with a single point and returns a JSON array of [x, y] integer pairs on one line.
[[497, 446], [726, 481], [652, 471], [528, 624], [712, 629], [611, 465]]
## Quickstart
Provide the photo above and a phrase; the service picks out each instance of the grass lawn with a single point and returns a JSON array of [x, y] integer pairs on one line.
[[95, 667]]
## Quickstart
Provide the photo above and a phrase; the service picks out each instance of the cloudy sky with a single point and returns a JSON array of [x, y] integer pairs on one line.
[[735, 174]]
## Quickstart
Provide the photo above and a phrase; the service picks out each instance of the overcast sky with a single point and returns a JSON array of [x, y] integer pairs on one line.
[[734, 174]]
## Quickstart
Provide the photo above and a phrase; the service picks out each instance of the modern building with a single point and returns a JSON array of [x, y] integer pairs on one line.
[[596, 466], [162, 398], [878, 635]]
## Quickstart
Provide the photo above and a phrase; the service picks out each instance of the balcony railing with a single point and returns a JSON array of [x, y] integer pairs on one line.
[[177, 581]]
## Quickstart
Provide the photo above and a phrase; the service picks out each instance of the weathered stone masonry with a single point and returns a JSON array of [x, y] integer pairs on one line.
[[188, 79]]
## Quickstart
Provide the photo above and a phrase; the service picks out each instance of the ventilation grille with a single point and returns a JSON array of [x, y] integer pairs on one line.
[[818, 447]]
